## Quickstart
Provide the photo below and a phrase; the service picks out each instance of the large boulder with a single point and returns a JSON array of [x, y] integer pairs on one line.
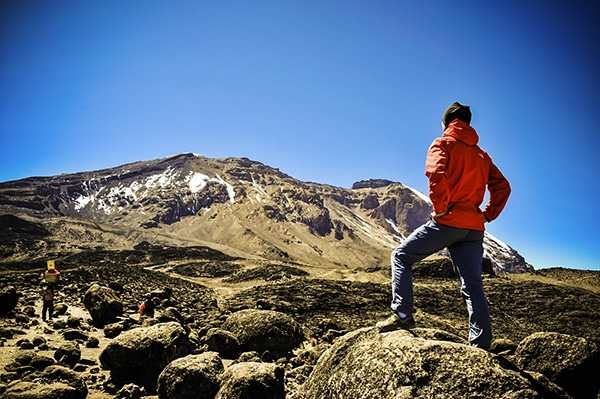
[[140, 354], [55, 382], [8, 300], [103, 304], [571, 362], [367, 364], [252, 380], [264, 330], [191, 377]]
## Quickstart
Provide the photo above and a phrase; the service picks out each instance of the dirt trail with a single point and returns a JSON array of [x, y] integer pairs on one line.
[[54, 339]]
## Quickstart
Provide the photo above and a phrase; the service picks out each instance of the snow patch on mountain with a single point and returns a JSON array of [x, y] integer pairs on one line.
[[419, 194], [230, 190], [109, 198], [161, 180], [81, 201], [498, 241], [197, 182]]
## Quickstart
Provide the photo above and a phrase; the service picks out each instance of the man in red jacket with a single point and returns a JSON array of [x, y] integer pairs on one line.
[[458, 172]]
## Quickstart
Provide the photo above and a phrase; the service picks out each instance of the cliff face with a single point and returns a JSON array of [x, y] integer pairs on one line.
[[236, 203]]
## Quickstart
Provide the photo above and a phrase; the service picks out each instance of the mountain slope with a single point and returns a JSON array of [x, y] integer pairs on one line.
[[237, 204]]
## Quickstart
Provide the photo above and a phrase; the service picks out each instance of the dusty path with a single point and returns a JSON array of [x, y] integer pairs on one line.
[[54, 339]]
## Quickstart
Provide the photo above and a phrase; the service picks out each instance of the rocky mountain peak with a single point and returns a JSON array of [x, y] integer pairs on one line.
[[372, 183]]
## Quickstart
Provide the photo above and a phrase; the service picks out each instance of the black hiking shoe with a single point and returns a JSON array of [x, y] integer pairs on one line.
[[394, 322]]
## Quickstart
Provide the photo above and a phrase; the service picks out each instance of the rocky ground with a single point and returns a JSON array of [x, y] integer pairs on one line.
[[235, 328]]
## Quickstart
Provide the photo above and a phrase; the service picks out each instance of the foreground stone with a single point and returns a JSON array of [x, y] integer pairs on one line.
[[223, 342], [191, 377], [103, 304], [68, 353], [8, 300], [252, 380], [130, 391], [55, 382], [264, 330], [571, 362], [369, 365], [139, 355]]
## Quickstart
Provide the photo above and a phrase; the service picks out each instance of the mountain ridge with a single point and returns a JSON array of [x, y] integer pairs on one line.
[[243, 204]]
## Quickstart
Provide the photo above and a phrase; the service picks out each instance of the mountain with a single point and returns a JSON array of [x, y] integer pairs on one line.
[[239, 206]]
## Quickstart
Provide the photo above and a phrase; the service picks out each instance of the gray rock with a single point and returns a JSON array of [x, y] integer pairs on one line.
[[60, 309], [112, 330], [311, 354], [40, 362], [68, 353], [369, 365], [29, 311], [23, 359], [79, 367], [34, 390], [252, 380], [8, 376], [55, 382], [170, 314], [130, 391], [25, 344], [223, 342], [103, 304], [502, 345], [140, 354], [8, 300], [570, 362], [115, 286], [6, 333], [251, 356], [92, 342], [59, 324], [191, 377], [37, 341], [73, 322], [262, 330], [72, 334]]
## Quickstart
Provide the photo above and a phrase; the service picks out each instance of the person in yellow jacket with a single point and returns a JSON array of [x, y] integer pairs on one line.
[[52, 275]]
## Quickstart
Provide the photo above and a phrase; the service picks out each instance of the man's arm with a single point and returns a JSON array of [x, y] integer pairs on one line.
[[499, 189], [435, 170]]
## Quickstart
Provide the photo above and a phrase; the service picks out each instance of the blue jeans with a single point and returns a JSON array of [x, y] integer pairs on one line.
[[466, 251]]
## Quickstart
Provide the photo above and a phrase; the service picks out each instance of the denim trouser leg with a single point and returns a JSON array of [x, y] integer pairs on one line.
[[466, 250], [467, 255], [424, 241]]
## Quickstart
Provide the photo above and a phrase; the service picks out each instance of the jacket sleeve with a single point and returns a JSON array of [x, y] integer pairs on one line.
[[435, 170], [499, 189]]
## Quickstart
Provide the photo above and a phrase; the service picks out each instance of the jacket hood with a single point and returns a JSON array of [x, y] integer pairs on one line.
[[461, 131]]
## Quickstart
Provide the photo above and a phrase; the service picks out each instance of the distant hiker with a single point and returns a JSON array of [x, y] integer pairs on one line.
[[48, 301], [458, 172], [52, 275], [147, 306]]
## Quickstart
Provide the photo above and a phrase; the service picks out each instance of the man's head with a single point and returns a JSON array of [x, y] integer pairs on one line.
[[456, 110]]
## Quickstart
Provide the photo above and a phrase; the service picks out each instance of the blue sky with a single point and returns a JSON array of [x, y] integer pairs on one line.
[[332, 92]]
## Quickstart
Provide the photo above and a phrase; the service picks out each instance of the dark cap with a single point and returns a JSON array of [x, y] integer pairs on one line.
[[457, 111]]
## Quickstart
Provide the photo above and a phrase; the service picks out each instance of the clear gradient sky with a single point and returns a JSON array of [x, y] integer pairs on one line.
[[332, 91]]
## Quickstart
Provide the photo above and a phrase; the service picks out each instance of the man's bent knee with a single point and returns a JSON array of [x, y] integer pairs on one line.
[[401, 259]]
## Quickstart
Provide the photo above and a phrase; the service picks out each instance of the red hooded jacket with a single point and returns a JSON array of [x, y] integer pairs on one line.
[[458, 172]]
